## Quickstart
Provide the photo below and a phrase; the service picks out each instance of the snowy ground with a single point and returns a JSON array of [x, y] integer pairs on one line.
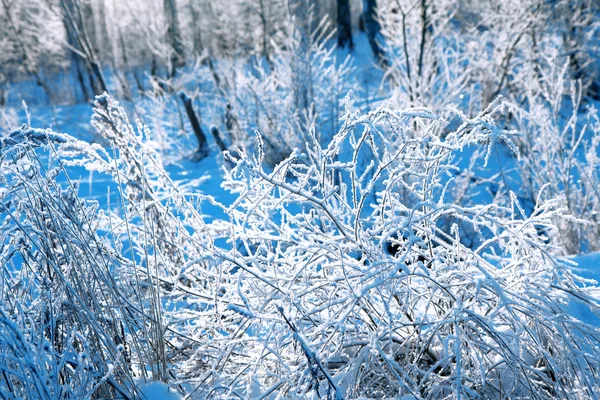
[[588, 266], [159, 391]]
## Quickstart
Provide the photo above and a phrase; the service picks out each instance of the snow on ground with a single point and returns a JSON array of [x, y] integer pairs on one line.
[[588, 267], [158, 391]]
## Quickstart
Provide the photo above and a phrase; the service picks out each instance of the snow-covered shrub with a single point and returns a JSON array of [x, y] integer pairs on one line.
[[465, 53], [302, 84], [161, 110], [82, 297], [162, 114], [63, 314], [454, 51], [510, 41], [560, 144], [317, 306], [426, 62], [325, 278]]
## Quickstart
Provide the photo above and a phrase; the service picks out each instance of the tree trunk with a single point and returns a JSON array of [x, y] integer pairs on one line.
[[344, 24], [177, 58], [373, 28], [265, 30], [218, 139], [424, 27], [198, 41], [196, 127]]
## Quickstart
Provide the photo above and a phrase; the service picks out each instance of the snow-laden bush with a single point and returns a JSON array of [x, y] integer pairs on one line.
[[325, 278], [82, 313], [321, 307], [470, 51], [466, 53], [63, 315], [301, 84], [161, 110], [559, 146], [426, 62]]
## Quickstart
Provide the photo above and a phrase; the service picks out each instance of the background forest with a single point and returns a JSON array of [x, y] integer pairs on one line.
[[292, 199]]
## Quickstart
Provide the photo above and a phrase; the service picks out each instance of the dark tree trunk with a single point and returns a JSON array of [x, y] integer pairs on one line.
[[218, 139], [2, 94], [198, 41], [265, 30], [178, 60], [78, 72], [231, 122], [103, 38], [196, 127], [174, 36], [78, 69], [344, 24], [425, 22], [372, 28]]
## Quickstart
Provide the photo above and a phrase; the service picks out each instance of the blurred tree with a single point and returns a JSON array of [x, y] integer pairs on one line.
[[344, 24], [177, 60], [372, 28], [29, 42], [76, 17]]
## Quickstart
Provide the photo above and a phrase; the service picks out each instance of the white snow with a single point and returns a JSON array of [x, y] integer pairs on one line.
[[158, 391]]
